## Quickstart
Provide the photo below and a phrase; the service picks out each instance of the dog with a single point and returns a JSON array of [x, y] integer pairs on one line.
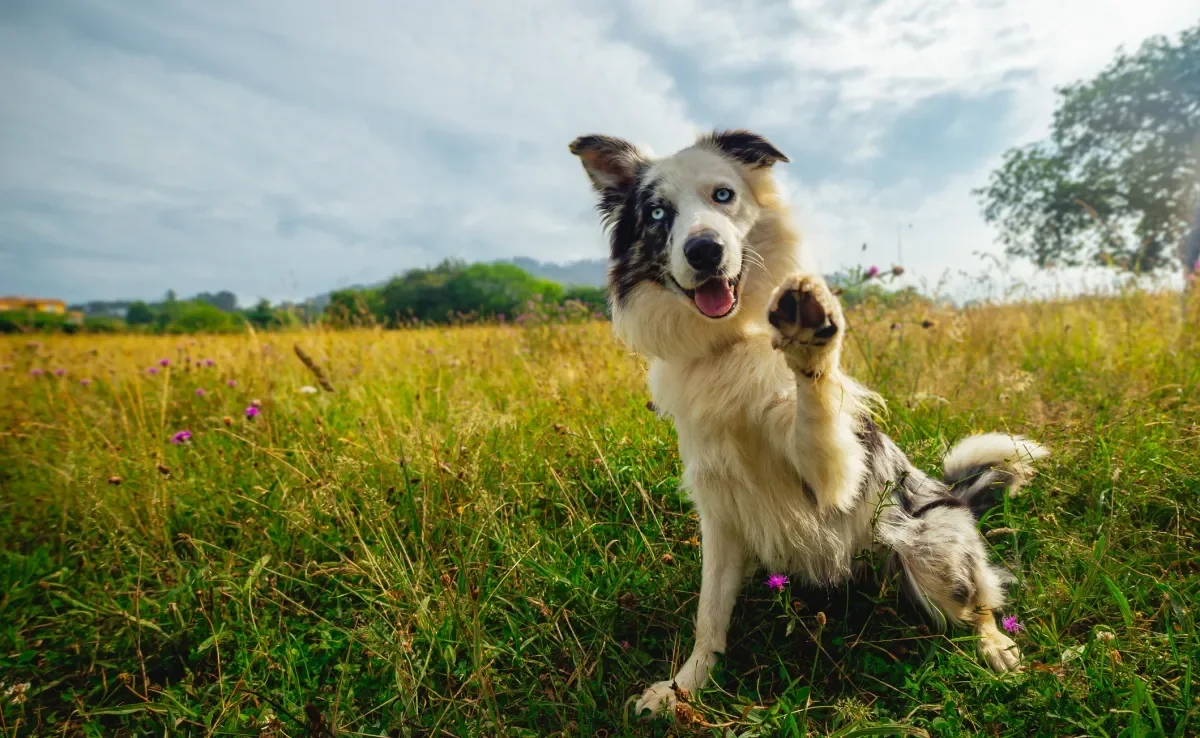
[[782, 458]]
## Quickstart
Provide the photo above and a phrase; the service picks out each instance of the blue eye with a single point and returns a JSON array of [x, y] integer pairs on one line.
[[723, 194], [658, 213]]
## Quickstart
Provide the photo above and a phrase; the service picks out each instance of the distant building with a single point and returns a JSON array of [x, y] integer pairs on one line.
[[34, 304]]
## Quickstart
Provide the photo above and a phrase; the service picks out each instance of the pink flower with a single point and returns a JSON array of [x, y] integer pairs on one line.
[[35, 372], [252, 412], [776, 582], [201, 392], [232, 383], [1011, 625], [872, 272], [152, 370], [59, 372], [85, 382], [164, 362], [182, 436], [208, 362]]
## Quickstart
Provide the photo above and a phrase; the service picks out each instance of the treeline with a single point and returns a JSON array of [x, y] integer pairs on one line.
[[451, 292], [454, 292]]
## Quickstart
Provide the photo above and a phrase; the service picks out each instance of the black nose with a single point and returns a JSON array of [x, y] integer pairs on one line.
[[704, 251]]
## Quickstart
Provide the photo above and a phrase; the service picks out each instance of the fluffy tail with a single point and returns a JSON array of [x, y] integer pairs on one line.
[[979, 469]]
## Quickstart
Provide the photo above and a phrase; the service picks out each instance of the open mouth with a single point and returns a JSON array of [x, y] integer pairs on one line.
[[716, 297]]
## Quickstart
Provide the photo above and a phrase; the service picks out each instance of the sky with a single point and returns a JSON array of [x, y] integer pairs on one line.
[[283, 148]]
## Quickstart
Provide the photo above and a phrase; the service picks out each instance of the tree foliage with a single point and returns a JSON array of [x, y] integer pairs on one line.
[[1118, 181], [451, 291]]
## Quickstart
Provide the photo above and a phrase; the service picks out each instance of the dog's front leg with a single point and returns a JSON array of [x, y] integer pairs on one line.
[[818, 431], [723, 559]]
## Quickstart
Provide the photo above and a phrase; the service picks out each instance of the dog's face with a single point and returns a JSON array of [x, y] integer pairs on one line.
[[680, 227]]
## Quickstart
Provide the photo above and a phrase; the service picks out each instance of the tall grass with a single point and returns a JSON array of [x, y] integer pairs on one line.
[[478, 532]]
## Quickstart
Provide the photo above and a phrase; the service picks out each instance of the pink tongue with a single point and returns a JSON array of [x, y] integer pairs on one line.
[[714, 298]]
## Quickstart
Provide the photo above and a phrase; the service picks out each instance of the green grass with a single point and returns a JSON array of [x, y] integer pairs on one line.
[[478, 532]]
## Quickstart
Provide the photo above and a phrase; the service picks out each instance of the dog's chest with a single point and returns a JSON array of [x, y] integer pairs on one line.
[[737, 482]]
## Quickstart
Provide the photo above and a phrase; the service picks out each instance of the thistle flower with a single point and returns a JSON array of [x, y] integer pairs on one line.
[[164, 362], [208, 362], [85, 382], [182, 436], [201, 392], [1011, 624], [35, 372], [872, 272], [232, 383], [152, 370], [252, 412], [59, 372], [776, 582]]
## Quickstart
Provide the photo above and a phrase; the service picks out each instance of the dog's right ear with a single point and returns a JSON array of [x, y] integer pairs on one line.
[[611, 163]]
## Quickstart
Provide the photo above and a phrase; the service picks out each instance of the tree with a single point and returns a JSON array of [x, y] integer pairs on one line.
[[223, 300], [1118, 181], [139, 313]]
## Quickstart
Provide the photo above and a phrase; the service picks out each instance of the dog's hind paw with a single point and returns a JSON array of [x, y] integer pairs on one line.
[[658, 699], [807, 321], [999, 651]]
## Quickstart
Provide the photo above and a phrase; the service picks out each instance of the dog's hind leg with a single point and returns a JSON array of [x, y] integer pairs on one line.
[[723, 560], [946, 571]]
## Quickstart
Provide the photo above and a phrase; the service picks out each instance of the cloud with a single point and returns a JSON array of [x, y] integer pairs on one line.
[[285, 147]]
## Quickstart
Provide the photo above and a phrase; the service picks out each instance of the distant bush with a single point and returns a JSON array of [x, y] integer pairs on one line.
[[103, 324], [30, 321], [200, 317]]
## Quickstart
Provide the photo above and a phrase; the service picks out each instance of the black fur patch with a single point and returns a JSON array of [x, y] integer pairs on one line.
[[980, 487], [946, 501], [748, 148], [638, 243]]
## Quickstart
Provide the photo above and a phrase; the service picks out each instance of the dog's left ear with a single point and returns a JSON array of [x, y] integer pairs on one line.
[[611, 163], [748, 148]]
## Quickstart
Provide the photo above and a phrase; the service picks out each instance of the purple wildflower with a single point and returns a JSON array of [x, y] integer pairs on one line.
[[35, 372], [1011, 624], [252, 412], [85, 382], [776, 582], [872, 272], [208, 362], [182, 436], [232, 383], [201, 392], [152, 370], [59, 372], [164, 362]]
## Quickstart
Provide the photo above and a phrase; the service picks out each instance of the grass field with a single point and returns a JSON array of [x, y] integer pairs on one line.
[[478, 533]]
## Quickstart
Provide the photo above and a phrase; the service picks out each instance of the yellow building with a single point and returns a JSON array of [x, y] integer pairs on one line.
[[35, 304]]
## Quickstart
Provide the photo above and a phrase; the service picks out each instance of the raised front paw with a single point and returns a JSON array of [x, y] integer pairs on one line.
[[658, 699], [807, 321]]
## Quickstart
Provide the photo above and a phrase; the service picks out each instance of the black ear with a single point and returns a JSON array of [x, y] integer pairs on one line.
[[611, 163], [749, 148]]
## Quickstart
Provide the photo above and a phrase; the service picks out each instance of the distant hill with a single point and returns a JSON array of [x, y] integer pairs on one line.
[[583, 273]]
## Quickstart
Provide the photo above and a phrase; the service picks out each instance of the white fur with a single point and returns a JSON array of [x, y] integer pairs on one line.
[[1015, 452], [758, 425]]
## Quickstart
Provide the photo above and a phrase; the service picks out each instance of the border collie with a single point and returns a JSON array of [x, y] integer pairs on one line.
[[782, 459]]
